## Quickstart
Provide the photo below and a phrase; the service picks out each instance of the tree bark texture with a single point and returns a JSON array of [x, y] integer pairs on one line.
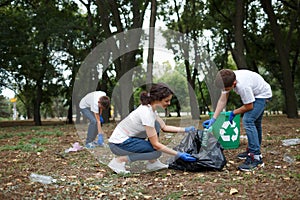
[[151, 43], [239, 47], [289, 89]]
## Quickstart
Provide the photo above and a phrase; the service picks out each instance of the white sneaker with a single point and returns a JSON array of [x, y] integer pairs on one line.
[[117, 166], [157, 165]]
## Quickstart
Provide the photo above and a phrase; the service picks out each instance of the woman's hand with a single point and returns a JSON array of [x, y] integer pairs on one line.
[[186, 157], [189, 129]]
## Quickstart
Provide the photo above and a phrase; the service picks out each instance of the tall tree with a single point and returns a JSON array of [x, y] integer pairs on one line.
[[34, 53], [254, 39], [283, 48], [239, 47], [151, 42], [126, 45], [47, 21], [188, 21], [4, 107]]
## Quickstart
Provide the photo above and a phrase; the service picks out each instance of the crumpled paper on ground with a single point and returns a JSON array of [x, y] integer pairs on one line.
[[76, 147]]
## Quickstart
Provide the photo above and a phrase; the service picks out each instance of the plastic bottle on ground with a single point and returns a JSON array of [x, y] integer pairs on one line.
[[205, 137], [288, 158], [41, 178]]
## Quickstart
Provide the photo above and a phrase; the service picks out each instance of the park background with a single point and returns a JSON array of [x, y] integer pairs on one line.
[[44, 45]]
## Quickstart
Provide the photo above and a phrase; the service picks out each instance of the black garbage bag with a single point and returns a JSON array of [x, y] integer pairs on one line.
[[209, 156]]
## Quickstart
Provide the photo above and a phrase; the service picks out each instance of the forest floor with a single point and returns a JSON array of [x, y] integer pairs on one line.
[[83, 174]]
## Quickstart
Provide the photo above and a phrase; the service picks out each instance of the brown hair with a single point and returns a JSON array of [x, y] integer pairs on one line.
[[157, 92], [105, 102], [225, 78]]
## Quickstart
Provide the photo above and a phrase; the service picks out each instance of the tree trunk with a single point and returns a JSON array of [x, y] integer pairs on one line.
[[125, 47], [70, 112], [37, 104], [239, 47], [184, 46], [288, 85], [78, 114], [151, 43], [126, 85], [205, 105], [29, 112], [191, 88]]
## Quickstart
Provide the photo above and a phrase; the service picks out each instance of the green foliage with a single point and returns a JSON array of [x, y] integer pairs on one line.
[[50, 34], [4, 107], [41, 40], [178, 84]]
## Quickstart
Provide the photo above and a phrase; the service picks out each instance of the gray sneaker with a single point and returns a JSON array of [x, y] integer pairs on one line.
[[251, 163], [96, 144], [244, 155], [90, 145]]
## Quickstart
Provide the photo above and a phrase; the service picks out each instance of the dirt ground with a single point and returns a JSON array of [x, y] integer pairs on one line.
[[83, 174]]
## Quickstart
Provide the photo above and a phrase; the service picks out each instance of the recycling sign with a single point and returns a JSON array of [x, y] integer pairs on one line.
[[229, 137], [227, 134]]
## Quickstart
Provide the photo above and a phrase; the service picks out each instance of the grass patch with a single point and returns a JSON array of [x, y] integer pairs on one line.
[[23, 134], [26, 147], [221, 188], [294, 175], [56, 133], [200, 179], [39, 141], [6, 136], [269, 138], [174, 195], [50, 133]]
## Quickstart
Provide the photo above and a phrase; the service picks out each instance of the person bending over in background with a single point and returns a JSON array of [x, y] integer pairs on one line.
[[128, 140], [91, 106], [254, 92]]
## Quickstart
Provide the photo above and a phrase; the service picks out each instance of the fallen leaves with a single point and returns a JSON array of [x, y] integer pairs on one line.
[[80, 175], [233, 191]]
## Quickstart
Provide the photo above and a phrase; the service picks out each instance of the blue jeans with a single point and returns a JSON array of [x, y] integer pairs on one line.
[[92, 130], [136, 148], [252, 124]]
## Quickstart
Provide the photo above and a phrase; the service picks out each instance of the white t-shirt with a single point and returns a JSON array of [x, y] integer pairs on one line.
[[91, 101], [134, 124], [251, 85]]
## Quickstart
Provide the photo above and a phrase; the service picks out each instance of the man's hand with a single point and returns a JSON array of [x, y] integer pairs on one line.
[[101, 119], [208, 123], [231, 116]]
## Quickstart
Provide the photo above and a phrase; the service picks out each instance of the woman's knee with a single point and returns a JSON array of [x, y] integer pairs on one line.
[[156, 154], [117, 150]]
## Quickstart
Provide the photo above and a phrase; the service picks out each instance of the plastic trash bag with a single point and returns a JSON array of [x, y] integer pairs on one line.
[[209, 157]]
